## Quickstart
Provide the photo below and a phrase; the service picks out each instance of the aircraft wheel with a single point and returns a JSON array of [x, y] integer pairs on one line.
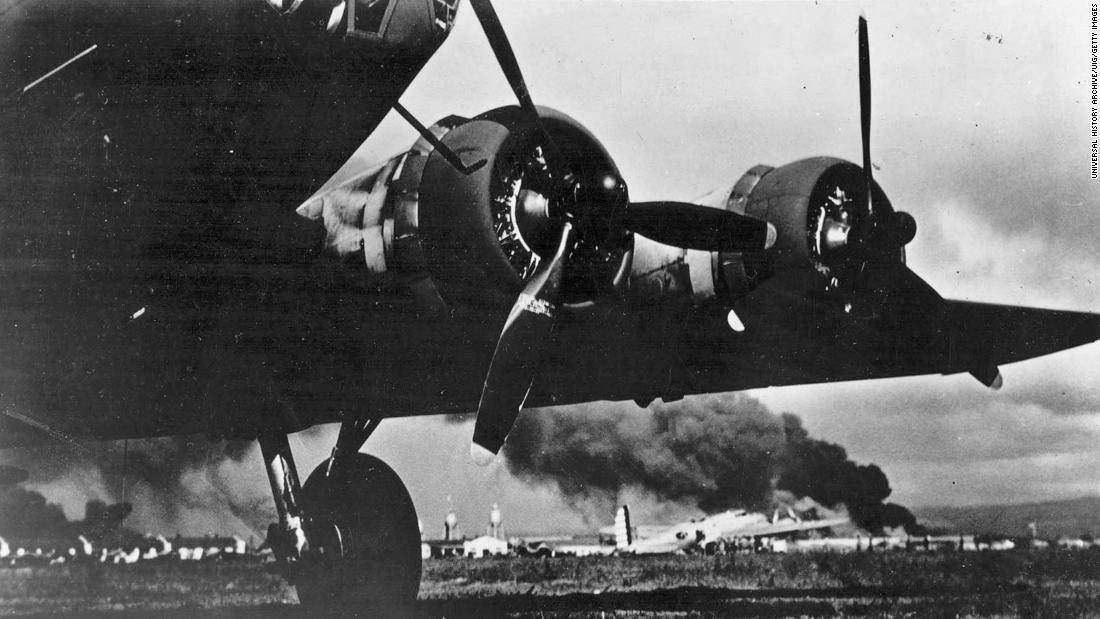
[[364, 538]]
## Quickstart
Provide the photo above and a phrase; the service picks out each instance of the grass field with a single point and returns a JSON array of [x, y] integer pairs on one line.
[[1018, 583]]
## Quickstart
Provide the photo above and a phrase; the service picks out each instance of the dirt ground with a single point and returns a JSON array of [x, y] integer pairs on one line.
[[986, 584]]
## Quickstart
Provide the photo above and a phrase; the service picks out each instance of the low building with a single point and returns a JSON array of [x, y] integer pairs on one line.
[[485, 546]]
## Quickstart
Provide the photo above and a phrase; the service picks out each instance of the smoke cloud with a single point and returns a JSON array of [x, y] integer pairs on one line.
[[699, 450], [184, 484], [25, 513], [822, 471], [708, 452], [716, 452]]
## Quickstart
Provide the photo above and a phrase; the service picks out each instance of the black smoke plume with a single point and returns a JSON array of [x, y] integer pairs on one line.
[[715, 451], [25, 513], [822, 471]]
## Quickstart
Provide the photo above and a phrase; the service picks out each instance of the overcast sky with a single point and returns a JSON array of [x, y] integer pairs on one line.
[[980, 128]]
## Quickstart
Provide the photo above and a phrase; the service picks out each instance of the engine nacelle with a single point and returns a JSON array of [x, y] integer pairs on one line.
[[488, 230], [449, 236], [815, 205]]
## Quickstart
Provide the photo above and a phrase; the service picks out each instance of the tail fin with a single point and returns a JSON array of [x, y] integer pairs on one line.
[[623, 535]]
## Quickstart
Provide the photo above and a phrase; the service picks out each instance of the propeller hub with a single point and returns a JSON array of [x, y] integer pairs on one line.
[[598, 204], [532, 213], [905, 228], [834, 235], [884, 233], [844, 234], [607, 191]]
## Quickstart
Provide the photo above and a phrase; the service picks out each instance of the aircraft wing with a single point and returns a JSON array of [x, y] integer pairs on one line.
[[1007, 333], [793, 336], [788, 526]]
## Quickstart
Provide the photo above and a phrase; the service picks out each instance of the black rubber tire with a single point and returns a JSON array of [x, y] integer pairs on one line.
[[374, 514]]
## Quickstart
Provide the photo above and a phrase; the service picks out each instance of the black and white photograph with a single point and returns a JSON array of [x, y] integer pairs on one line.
[[549, 308]]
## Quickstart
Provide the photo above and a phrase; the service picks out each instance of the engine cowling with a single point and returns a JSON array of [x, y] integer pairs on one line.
[[819, 208], [450, 237], [487, 231]]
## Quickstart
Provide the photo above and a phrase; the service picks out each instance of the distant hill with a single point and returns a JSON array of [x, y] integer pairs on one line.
[[1071, 518]]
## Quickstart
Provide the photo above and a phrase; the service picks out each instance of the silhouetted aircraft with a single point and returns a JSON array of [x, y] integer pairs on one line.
[[161, 274]]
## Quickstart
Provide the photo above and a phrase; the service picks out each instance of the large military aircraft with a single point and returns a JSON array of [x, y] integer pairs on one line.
[[169, 267], [701, 533]]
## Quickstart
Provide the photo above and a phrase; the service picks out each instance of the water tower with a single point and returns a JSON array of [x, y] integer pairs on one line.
[[450, 526], [494, 522]]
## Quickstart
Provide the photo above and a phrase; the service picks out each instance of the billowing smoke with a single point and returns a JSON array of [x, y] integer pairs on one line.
[[707, 452], [25, 513], [181, 484], [822, 471], [714, 451], [700, 450]]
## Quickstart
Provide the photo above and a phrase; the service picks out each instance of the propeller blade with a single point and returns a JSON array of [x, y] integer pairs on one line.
[[502, 49], [865, 104], [506, 58], [692, 226], [519, 352], [874, 237]]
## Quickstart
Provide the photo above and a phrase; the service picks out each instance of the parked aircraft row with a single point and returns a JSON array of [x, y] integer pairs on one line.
[[704, 534], [730, 531], [132, 549]]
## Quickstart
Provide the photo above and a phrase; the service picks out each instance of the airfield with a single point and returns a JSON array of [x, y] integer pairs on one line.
[[803, 574], [1024, 582]]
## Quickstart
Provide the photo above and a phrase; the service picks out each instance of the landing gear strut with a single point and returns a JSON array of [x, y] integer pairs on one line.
[[350, 534], [286, 538]]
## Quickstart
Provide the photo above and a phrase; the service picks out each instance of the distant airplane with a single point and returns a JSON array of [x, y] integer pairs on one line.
[[724, 527], [168, 265]]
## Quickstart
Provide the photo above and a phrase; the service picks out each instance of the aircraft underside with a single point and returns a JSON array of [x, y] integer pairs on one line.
[[167, 267]]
